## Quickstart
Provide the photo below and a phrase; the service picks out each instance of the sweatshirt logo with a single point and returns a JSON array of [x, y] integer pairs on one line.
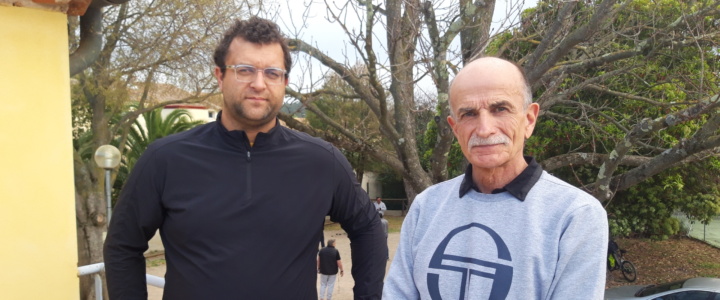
[[459, 270]]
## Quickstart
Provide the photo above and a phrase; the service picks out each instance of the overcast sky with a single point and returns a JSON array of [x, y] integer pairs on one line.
[[330, 39]]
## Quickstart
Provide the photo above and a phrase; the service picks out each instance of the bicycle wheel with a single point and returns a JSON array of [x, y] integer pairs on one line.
[[628, 271]]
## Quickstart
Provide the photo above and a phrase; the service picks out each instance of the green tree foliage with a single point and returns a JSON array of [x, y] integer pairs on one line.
[[648, 209], [656, 85]]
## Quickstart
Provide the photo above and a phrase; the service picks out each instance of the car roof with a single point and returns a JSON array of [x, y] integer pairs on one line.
[[703, 282]]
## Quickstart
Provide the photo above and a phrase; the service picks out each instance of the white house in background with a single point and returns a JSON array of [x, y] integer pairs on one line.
[[371, 185], [198, 112], [160, 93]]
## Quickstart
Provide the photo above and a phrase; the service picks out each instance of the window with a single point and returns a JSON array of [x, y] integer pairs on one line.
[[690, 295], [654, 289]]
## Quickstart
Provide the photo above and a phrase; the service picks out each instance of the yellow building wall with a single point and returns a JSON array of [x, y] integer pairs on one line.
[[38, 250]]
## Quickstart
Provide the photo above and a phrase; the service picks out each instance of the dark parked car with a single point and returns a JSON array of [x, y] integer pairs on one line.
[[700, 288]]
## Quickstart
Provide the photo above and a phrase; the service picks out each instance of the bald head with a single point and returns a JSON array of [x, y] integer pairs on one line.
[[492, 72], [492, 116]]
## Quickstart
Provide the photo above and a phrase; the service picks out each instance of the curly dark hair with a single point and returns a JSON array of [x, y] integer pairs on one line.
[[255, 30]]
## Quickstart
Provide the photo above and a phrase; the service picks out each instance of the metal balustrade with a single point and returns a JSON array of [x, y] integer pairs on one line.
[[95, 269]]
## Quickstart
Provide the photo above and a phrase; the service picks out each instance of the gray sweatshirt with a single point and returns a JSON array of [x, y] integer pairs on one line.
[[552, 245]]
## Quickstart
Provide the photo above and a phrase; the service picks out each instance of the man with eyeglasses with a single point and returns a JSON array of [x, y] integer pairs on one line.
[[240, 203]]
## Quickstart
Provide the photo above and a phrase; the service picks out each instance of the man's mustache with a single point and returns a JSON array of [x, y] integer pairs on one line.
[[499, 138]]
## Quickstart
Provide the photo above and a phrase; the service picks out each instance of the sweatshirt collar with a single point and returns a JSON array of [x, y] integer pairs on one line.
[[238, 138], [518, 187]]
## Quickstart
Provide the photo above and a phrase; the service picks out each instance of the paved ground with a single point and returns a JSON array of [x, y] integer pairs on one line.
[[343, 287]]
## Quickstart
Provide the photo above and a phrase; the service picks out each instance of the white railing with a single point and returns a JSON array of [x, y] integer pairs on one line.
[[95, 269]]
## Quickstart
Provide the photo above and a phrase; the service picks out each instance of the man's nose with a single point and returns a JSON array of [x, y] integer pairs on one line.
[[485, 125], [259, 81]]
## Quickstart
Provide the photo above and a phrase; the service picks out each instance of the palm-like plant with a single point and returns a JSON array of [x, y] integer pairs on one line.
[[141, 136]]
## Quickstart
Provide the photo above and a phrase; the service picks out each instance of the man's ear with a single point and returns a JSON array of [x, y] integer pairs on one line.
[[531, 115], [219, 76], [451, 122]]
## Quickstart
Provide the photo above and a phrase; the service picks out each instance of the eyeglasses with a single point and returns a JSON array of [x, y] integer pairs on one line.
[[248, 73]]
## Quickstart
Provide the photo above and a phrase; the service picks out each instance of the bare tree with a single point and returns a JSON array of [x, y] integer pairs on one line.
[[388, 87], [566, 47]]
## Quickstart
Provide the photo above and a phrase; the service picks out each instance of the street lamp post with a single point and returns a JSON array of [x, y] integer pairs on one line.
[[107, 157]]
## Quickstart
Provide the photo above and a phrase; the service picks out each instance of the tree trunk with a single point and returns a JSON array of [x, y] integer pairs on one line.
[[90, 244], [410, 192], [476, 35], [91, 215]]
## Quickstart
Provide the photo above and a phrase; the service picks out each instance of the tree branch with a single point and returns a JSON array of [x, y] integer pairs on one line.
[[594, 159], [358, 145], [602, 188], [602, 14], [90, 40], [344, 72]]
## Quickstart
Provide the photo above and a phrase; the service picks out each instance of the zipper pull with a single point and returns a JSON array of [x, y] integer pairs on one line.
[[248, 156]]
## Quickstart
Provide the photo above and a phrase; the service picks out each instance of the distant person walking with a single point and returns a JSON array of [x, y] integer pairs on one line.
[[380, 206], [328, 263]]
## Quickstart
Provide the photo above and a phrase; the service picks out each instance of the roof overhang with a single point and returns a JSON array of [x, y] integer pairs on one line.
[[69, 7]]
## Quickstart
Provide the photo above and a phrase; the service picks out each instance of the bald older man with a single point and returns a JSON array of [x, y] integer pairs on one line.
[[505, 229]]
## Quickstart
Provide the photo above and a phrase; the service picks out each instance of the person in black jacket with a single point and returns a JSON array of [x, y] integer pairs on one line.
[[240, 202], [328, 264]]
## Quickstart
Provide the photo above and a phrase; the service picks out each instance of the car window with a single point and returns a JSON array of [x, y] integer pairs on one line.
[[688, 295], [654, 289]]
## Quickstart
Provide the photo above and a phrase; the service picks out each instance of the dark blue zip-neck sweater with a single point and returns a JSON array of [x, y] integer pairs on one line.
[[240, 222]]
